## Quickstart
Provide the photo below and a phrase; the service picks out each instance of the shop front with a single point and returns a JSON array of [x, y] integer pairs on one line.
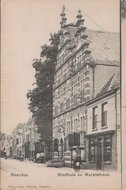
[[101, 151]]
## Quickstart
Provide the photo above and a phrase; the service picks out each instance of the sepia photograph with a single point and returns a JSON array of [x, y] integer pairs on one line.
[[61, 94]]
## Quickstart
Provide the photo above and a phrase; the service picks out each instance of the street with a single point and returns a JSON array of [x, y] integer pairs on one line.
[[28, 175]]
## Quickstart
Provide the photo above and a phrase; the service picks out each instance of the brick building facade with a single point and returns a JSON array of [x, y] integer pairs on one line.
[[86, 60]]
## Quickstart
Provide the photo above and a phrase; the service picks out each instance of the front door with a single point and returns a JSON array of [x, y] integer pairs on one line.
[[99, 154]]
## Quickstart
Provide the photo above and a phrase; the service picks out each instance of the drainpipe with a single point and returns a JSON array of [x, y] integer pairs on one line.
[[116, 126], [93, 65]]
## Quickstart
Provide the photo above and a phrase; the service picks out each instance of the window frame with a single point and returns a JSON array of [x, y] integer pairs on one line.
[[89, 153], [94, 121], [105, 144], [104, 115]]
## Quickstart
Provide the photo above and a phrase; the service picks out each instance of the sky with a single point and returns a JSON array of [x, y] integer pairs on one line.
[[25, 26]]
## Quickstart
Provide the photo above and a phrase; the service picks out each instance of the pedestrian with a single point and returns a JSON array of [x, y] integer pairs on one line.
[[77, 162], [37, 157]]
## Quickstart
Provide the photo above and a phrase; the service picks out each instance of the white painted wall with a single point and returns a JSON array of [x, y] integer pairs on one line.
[[111, 119]]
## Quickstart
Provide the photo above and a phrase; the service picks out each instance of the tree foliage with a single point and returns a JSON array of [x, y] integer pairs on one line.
[[40, 97]]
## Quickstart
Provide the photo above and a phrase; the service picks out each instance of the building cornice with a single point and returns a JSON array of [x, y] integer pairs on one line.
[[71, 109], [102, 96], [100, 133], [89, 102], [106, 64]]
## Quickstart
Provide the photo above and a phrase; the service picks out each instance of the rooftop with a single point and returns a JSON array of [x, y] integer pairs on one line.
[[104, 46], [112, 83]]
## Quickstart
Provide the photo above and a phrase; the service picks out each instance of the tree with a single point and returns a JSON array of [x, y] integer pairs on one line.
[[41, 96]]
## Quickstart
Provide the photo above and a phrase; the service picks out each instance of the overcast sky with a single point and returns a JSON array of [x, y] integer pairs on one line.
[[26, 25]]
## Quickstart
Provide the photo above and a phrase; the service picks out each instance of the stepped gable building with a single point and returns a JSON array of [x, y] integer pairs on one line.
[[86, 60]]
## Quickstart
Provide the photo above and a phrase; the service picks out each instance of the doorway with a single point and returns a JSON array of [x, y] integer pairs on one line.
[[99, 154]]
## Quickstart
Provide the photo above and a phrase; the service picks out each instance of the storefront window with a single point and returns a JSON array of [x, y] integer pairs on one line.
[[107, 148], [92, 149], [105, 145], [70, 140]]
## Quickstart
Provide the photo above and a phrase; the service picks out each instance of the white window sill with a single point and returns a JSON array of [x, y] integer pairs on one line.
[[105, 127], [106, 162], [95, 129]]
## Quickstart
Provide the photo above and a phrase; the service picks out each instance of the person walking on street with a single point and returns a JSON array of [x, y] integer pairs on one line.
[[77, 161], [37, 157]]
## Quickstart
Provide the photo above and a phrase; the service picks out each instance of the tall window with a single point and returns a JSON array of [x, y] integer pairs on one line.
[[75, 88], [17, 141], [68, 127], [76, 139], [104, 114], [95, 117], [55, 144], [82, 123], [27, 138], [92, 149], [75, 125], [79, 61], [82, 96], [61, 107], [62, 59], [82, 82], [70, 140], [68, 104], [56, 110], [75, 99], [107, 148]]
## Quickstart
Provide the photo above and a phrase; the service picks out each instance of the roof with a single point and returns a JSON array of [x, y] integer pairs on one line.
[[112, 83], [104, 46]]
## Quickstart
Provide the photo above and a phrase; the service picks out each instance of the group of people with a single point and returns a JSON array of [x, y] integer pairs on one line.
[[40, 158]]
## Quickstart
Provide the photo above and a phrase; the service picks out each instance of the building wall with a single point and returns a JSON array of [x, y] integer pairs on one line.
[[77, 80], [112, 129], [119, 148], [111, 116]]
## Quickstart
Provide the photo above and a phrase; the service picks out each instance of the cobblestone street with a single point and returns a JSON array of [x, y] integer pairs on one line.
[[38, 176]]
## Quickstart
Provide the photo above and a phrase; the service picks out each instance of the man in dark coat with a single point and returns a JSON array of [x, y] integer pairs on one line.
[[77, 161]]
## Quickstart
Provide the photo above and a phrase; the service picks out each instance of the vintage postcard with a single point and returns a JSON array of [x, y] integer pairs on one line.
[[62, 94]]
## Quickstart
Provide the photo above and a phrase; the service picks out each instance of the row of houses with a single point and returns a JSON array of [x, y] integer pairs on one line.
[[22, 142]]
